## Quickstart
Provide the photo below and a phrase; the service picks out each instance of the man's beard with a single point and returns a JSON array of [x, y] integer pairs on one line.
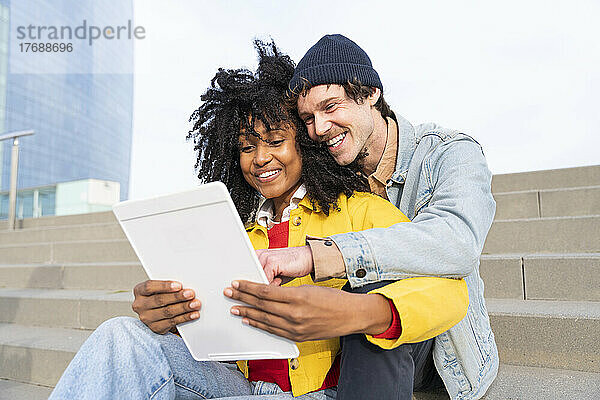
[[359, 162]]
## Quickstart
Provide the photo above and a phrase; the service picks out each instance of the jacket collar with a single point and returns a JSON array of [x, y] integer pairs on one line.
[[305, 203], [264, 215], [407, 143]]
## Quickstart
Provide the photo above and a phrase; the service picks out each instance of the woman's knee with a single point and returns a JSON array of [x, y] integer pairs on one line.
[[119, 329], [121, 323]]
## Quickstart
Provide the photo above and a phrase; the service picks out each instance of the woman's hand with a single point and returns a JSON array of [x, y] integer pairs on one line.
[[163, 304], [309, 312]]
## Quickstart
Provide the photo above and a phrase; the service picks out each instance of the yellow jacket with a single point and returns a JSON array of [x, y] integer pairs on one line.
[[422, 303]]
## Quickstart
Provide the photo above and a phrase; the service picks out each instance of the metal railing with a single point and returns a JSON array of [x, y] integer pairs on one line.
[[14, 167]]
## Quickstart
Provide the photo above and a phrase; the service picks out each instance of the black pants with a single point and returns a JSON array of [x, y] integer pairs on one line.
[[370, 372]]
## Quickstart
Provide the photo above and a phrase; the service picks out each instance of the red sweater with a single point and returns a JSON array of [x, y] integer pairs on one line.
[[276, 371]]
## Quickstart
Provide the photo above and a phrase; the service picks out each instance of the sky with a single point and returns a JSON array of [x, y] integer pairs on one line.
[[522, 78]]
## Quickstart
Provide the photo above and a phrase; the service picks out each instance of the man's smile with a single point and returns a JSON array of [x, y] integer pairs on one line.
[[336, 141]]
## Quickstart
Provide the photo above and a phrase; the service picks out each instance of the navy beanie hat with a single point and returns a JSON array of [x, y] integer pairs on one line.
[[334, 59]]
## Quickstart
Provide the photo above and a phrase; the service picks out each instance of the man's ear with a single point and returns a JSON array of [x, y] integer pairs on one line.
[[374, 96]]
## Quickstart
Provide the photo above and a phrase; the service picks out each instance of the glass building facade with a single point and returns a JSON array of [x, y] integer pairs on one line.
[[4, 21], [82, 121]]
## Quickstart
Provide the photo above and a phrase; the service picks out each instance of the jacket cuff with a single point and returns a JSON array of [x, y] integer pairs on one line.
[[358, 258], [424, 308], [327, 259], [395, 329]]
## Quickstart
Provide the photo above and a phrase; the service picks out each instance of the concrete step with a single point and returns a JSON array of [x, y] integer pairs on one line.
[[40, 355], [10, 390], [534, 277], [94, 276], [68, 252], [502, 276], [547, 179], [542, 276], [538, 235], [513, 382], [530, 383], [103, 231], [516, 276], [79, 309], [548, 203], [573, 277], [544, 235], [63, 220], [526, 330], [37, 355], [549, 334]]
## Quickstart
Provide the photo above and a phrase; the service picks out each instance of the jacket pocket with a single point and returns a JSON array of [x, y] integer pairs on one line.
[[476, 329]]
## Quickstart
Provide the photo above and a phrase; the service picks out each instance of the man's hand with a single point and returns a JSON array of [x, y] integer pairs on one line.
[[309, 312], [289, 262], [163, 304]]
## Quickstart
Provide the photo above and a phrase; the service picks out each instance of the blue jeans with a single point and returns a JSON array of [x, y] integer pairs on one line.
[[124, 359]]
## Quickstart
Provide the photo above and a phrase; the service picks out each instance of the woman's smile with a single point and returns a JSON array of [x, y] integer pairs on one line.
[[267, 176]]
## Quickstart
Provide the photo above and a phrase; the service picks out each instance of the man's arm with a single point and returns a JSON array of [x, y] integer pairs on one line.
[[444, 239]]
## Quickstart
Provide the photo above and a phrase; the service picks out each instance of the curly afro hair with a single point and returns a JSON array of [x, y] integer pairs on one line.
[[235, 100]]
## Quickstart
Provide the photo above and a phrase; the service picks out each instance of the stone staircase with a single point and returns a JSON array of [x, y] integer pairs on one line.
[[60, 277]]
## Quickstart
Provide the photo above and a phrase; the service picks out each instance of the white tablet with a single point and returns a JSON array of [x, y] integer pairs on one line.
[[197, 238]]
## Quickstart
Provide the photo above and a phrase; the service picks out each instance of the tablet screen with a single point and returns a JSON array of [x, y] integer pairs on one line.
[[197, 238]]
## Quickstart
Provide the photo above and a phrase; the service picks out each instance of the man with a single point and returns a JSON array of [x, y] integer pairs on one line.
[[438, 178]]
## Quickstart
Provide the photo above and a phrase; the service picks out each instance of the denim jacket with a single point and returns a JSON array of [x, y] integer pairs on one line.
[[442, 183]]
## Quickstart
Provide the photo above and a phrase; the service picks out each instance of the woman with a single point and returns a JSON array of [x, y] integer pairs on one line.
[[284, 187]]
